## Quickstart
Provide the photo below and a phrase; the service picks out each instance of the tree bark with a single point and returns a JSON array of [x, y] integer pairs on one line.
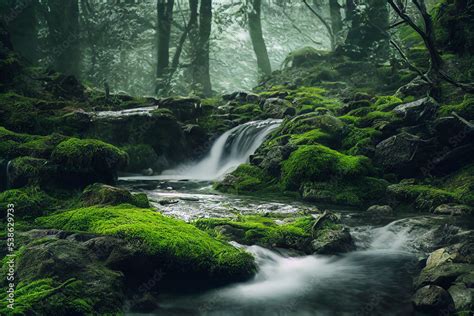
[[64, 38], [165, 19], [199, 35], [258, 42], [23, 28], [336, 18]]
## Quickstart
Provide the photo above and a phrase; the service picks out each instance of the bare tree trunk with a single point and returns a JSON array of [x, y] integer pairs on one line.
[[199, 35], [258, 42], [64, 38], [165, 19], [336, 18], [23, 29]]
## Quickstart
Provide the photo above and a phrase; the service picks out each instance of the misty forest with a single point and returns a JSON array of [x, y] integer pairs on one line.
[[237, 157]]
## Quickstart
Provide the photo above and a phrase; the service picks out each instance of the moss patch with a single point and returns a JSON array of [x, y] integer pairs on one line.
[[180, 246], [316, 162]]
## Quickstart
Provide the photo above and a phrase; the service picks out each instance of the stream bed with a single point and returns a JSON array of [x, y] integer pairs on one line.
[[376, 279]]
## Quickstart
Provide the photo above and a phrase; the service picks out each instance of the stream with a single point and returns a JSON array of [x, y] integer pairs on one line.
[[376, 279]]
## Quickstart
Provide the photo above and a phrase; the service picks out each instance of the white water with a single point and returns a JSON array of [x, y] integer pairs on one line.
[[375, 280], [231, 149]]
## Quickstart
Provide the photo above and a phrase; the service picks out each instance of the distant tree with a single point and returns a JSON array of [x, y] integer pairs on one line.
[[255, 29], [200, 32], [164, 22], [336, 18], [22, 24], [62, 18]]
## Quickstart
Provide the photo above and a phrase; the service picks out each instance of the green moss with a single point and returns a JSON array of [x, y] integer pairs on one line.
[[312, 137], [375, 116], [464, 109], [179, 245], [316, 162], [246, 178], [357, 139], [29, 202], [358, 192], [387, 103], [423, 197], [27, 171], [265, 231], [250, 109], [79, 157], [141, 200], [141, 157], [461, 183]]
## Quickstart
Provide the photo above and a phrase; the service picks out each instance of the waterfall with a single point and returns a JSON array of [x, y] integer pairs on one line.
[[231, 149]]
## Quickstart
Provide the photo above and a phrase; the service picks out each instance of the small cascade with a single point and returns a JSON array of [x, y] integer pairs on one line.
[[231, 149]]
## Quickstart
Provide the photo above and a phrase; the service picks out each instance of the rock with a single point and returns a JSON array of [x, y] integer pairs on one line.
[[334, 242], [417, 111], [417, 87], [98, 193], [278, 108], [147, 172], [184, 108], [168, 202], [27, 171], [80, 162], [443, 275], [453, 209], [463, 297], [434, 300], [231, 232], [70, 265], [101, 194], [400, 153], [380, 210]]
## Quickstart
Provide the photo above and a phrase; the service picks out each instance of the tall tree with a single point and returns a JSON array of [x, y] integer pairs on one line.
[[165, 20], [200, 33], [62, 18], [22, 25], [258, 42], [367, 37], [336, 18]]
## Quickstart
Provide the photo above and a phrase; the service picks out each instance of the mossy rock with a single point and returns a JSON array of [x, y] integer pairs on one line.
[[317, 162], [141, 157], [465, 109], [60, 277], [84, 161], [102, 194], [246, 178], [28, 202], [422, 197], [293, 233], [180, 249], [360, 192], [25, 171]]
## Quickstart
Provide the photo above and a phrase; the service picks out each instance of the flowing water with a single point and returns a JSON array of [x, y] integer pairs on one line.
[[376, 279]]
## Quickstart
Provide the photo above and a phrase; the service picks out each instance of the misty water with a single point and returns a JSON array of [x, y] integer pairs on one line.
[[372, 280]]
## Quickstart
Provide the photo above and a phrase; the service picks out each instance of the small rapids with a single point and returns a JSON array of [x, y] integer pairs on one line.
[[374, 280], [231, 149]]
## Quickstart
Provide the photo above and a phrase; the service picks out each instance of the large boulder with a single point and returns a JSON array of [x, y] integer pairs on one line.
[[184, 108], [434, 300], [417, 111], [402, 153], [380, 210], [24, 171], [278, 108], [453, 209], [101, 194], [463, 297], [84, 161]]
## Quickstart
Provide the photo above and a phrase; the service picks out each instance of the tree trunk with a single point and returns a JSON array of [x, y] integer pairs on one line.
[[165, 19], [199, 35], [336, 18], [64, 37], [23, 28], [258, 42]]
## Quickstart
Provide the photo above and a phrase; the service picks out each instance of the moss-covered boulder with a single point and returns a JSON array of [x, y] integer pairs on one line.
[[61, 277], [322, 233], [102, 194], [246, 178], [180, 250], [28, 202], [317, 163], [85, 161], [25, 171]]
